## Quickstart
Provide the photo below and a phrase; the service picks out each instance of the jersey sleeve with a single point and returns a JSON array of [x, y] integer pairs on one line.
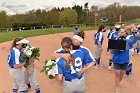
[[59, 67], [60, 50], [17, 57], [100, 36], [22, 59], [88, 57]]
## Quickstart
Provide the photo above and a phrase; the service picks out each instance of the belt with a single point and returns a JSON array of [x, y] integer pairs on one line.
[[11, 67], [72, 79]]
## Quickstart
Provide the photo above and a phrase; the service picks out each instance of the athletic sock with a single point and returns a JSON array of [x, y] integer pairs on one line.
[[15, 90], [37, 89], [23, 91], [98, 61], [130, 68], [110, 62], [29, 85]]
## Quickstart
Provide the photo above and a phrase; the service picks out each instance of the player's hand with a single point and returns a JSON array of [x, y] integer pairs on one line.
[[66, 56], [23, 63], [101, 49], [31, 60], [82, 70]]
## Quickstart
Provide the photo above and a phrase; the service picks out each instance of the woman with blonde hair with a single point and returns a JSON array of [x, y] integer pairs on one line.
[[121, 58], [131, 36]]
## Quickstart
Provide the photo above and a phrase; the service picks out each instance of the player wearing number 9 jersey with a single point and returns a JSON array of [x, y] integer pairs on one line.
[[71, 70]]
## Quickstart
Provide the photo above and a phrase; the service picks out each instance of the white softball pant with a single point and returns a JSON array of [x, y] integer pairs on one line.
[[17, 76], [32, 77], [74, 86], [97, 51]]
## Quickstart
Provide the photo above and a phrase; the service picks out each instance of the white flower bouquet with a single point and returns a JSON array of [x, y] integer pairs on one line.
[[50, 68], [31, 52]]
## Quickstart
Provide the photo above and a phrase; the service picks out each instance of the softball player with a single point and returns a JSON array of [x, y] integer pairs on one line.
[[98, 41], [121, 60], [113, 36], [76, 30], [31, 76], [71, 71], [30, 73], [131, 38], [109, 34], [77, 45], [15, 64], [138, 41]]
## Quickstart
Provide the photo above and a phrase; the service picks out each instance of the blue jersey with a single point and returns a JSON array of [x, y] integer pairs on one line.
[[67, 71], [138, 31], [131, 39], [114, 35], [120, 57], [14, 57], [98, 37], [109, 34], [88, 57]]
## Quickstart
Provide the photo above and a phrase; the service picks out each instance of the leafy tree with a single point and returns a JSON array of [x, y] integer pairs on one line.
[[68, 16], [4, 19]]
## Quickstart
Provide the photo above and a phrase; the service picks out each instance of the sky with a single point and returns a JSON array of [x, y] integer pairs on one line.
[[17, 6]]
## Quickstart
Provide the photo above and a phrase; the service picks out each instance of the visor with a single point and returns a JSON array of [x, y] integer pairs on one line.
[[117, 26], [78, 38], [23, 41]]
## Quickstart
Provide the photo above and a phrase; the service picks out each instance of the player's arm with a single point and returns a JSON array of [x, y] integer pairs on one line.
[[59, 77], [57, 55], [85, 68], [19, 65], [59, 70], [99, 41], [88, 63]]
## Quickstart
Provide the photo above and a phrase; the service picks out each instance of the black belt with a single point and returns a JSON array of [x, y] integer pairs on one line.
[[11, 67], [72, 79]]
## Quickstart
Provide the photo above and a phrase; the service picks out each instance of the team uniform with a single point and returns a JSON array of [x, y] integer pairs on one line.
[[72, 83], [31, 76], [14, 57], [131, 40], [113, 36], [87, 54], [98, 37], [78, 82], [76, 31], [109, 34], [121, 59], [138, 41]]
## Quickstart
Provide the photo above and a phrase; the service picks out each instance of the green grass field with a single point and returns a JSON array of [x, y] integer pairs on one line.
[[7, 36]]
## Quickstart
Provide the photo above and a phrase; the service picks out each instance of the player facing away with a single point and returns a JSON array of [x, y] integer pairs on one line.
[[71, 71], [113, 36], [15, 65], [98, 41]]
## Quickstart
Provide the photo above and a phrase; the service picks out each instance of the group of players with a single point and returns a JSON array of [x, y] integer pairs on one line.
[[16, 61], [73, 59]]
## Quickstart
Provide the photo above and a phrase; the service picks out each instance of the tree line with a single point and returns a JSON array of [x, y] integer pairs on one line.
[[70, 16]]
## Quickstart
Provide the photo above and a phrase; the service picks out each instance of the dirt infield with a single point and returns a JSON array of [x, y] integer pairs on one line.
[[97, 81]]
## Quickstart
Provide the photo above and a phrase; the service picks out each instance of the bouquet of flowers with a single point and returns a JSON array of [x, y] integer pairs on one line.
[[30, 53], [50, 68]]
